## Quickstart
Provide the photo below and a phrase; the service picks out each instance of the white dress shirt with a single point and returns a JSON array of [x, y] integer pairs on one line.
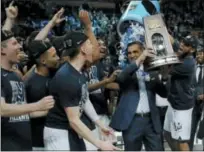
[[143, 105]]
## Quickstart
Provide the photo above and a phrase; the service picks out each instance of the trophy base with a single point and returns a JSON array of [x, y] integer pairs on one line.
[[157, 62]]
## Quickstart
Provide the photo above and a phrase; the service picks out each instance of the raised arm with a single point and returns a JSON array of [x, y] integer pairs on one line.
[[133, 67], [54, 21], [84, 17], [184, 69], [11, 14], [30, 71]]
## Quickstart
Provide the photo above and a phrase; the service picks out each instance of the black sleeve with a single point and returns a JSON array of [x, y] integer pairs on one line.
[[68, 92], [101, 71], [2, 93], [160, 86], [161, 89], [175, 45], [27, 89], [184, 69]]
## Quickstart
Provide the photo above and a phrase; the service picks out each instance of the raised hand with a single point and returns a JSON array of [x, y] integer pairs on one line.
[[148, 53], [201, 97], [113, 76], [22, 56], [84, 17], [11, 11], [57, 18]]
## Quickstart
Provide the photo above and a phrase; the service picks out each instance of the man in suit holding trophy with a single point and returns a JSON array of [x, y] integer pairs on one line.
[[137, 115]]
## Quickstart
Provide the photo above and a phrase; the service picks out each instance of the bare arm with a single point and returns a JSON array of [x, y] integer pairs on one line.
[[79, 126], [83, 131], [112, 86], [18, 72], [8, 110], [90, 34], [104, 82], [54, 21], [84, 16], [90, 111], [37, 114], [8, 24], [95, 86], [29, 73], [11, 14]]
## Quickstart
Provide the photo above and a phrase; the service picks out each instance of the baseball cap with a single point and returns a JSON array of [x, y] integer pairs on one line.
[[38, 47], [5, 35], [70, 40], [190, 41]]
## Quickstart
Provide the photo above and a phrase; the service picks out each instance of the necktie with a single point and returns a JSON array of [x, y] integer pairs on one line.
[[200, 75]]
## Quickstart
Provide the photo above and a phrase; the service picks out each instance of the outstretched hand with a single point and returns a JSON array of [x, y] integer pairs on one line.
[[84, 17], [57, 18], [11, 11]]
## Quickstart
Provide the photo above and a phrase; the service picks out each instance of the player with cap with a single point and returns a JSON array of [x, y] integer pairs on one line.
[[178, 117], [46, 60], [63, 129], [15, 112]]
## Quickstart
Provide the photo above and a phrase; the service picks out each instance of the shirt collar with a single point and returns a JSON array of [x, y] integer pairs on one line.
[[141, 67], [200, 65]]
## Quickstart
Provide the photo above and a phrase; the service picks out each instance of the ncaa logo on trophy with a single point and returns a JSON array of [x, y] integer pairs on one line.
[[142, 22]]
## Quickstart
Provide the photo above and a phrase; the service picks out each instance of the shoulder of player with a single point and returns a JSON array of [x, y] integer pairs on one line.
[[189, 62], [10, 75]]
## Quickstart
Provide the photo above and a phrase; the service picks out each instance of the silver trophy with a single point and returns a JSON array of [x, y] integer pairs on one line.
[[157, 38]]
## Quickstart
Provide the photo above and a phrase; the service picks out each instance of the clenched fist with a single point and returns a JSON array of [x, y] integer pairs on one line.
[[46, 103], [113, 76], [22, 57], [84, 17]]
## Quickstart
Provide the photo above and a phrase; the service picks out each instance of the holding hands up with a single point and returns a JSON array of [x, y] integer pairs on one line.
[[11, 11], [57, 18]]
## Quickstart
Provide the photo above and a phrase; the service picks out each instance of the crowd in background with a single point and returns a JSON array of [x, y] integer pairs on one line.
[[181, 18]]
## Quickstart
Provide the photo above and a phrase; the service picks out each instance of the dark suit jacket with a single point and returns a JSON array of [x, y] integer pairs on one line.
[[199, 90], [129, 99], [199, 106]]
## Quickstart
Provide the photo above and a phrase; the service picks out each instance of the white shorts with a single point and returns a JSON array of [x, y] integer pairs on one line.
[[56, 139], [178, 123]]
